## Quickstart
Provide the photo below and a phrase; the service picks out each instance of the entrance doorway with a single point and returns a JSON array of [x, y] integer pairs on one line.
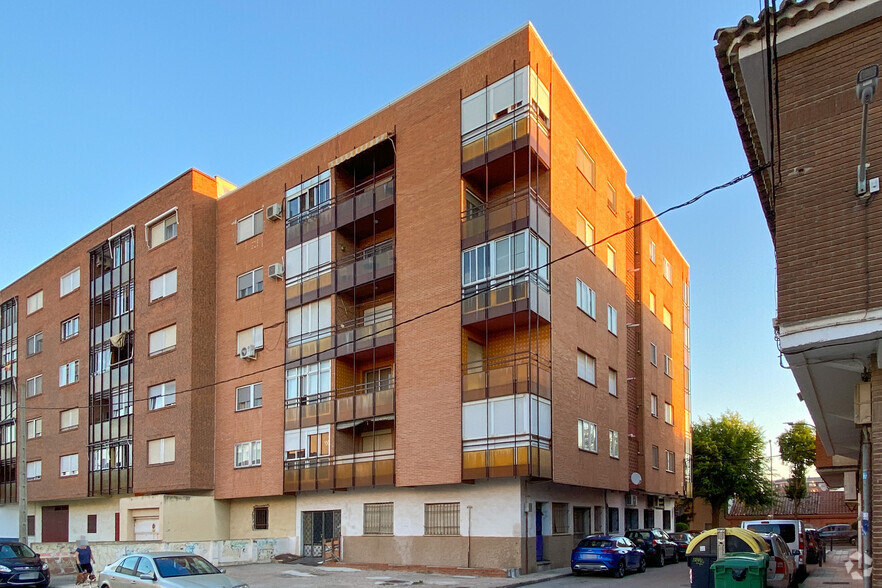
[[55, 520], [540, 550], [321, 533]]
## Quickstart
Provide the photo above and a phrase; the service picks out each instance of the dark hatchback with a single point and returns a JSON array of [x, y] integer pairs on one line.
[[656, 544], [20, 566], [682, 540]]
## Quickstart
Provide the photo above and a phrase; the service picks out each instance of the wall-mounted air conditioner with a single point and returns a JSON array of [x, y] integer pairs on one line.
[[274, 211], [248, 352], [277, 271]]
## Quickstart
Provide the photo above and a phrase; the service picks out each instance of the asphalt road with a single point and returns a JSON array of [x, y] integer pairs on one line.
[[670, 576]]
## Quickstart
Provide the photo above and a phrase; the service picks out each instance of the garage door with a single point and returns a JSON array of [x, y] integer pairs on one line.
[[146, 528]]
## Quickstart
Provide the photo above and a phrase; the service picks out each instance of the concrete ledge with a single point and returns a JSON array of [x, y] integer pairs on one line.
[[421, 569]]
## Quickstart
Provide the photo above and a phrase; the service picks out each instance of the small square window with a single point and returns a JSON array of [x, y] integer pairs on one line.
[[442, 519], [249, 283], [70, 465], [260, 518], [586, 367], [249, 226], [163, 340], [249, 336], [247, 454], [70, 282], [70, 328], [164, 229], [161, 451], [35, 428], [164, 285], [250, 396], [69, 373], [70, 419], [587, 436], [161, 395], [379, 518], [35, 344], [35, 386], [35, 302], [35, 469]]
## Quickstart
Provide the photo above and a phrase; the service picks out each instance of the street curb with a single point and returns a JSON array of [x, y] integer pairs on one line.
[[545, 578]]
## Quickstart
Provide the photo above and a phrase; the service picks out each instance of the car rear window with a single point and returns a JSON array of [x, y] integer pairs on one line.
[[639, 535], [787, 531], [15, 550], [595, 543]]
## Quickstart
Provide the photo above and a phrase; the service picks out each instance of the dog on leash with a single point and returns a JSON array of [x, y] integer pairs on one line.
[[85, 578]]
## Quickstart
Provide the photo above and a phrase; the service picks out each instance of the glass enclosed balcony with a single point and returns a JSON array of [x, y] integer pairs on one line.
[[523, 209], [364, 401], [343, 471], [504, 375], [507, 458], [513, 294], [372, 332], [522, 127]]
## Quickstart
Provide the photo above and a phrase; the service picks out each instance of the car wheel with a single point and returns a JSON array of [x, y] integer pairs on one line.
[[642, 566], [676, 557], [661, 558], [619, 572], [853, 540]]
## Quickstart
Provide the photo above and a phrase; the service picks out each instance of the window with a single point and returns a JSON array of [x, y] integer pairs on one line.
[[652, 302], [123, 299], [260, 518], [442, 519], [614, 444], [35, 386], [586, 232], [247, 454], [586, 299], [91, 523], [249, 226], [161, 451], [70, 328], [249, 283], [161, 395], [164, 229], [611, 258], [504, 256], [652, 251], [70, 419], [164, 285], [506, 416], [669, 413], [308, 442], [311, 380], [35, 469], [655, 457], [586, 367], [308, 256], [653, 405], [314, 192], [581, 521], [613, 382], [250, 396], [610, 197], [377, 380], [584, 163], [560, 517], [587, 436], [309, 322], [35, 302], [669, 461], [666, 318], [69, 373], [668, 364], [653, 354], [35, 428], [378, 518], [70, 282], [35, 344], [612, 320], [70, 465], [32, 525], [669, 271], [251, 336], [163, 340]]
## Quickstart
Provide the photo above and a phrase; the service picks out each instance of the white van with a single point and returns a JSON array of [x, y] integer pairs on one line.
[[791, 531]]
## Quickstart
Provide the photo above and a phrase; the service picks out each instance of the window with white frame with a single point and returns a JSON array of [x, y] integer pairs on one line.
[[309, 381], [653, 354], [249, 226], [652, 302], [35, 385], [666, 318], [668, 271], [123, 299], [586, 298], [70, 465], [611, 258], [670, 461], [247, 454], [504, 256], [70, 328], [250, 396], [652, 251], [587, 436], [613, 382], [309, 256], [612, 320], [584, 163], [655, 457], [313, 193], [123, 249], [161, 450], [35, 302], [164, 285], [586, 367], [505, 417], [70, 419], [249, 283], [653, 405], [250, 336], [377, 380], [309, 321], [614, 444], [35, 344], [35, 469], [668, 365], [610, 196], [69, 373], [162, 230], [586, 232], [161, 395], [35, 428], [70, 281], [163, 340], [669, 413], [308, 442]]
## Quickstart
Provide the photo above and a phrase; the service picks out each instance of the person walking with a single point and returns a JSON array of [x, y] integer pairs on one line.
[[84, 557]]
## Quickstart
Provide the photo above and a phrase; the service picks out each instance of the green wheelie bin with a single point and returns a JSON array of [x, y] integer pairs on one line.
[[701, 553], [741, 570]]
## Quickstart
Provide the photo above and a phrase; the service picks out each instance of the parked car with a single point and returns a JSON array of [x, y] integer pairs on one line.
[[814, 547], [791, 531], [838, 533], [19, 565], [607, 553], [682, 540], [782, 565], [164, 569], [656, 544]]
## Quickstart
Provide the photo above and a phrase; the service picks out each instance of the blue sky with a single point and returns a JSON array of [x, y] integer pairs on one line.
[[104, 102]]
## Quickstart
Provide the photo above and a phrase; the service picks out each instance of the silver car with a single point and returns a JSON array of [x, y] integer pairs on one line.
[[164, 569]]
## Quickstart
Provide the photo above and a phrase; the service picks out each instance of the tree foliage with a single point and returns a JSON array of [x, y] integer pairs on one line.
[[797, 447], [729, 462]]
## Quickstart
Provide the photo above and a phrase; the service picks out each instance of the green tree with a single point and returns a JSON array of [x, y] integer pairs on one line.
[[797, 447], [729, 463]]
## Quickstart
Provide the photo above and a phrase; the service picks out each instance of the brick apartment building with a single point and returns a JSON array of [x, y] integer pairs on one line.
[[825, 232], [405, 338]]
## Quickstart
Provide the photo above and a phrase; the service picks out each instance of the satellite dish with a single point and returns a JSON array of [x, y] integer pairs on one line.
[[636, 478]]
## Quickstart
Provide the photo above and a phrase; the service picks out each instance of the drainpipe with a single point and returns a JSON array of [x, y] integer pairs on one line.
[[469, 545], [864, 524]]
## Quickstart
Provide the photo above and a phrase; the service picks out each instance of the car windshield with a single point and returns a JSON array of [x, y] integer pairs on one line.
[[15, 550], [595, 543], [639, 534], [787, 531], [183, 565], [678, 536]]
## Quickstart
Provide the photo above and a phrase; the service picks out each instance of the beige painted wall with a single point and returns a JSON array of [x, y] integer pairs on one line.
[[282, 517]]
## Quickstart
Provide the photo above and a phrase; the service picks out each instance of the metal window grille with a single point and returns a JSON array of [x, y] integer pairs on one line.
[[442, 518], [260, 518], [559, 519], [378, 518]]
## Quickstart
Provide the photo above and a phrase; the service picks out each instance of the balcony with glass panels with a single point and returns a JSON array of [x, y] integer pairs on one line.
[[515, 373], [523, 209], [311, 336], [309, 408]]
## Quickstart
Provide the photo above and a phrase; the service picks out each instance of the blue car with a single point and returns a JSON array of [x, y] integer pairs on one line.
[[607, 553]]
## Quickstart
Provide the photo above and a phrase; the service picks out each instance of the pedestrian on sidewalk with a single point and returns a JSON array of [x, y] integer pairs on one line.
[[84, 557]]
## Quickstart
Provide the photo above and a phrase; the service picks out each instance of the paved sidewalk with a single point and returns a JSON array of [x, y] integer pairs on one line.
[[838, 569]]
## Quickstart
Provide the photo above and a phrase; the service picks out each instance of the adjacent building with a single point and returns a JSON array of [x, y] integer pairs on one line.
[[450, 335]]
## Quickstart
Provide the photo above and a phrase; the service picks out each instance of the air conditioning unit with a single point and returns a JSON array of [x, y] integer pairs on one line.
[[630, 500], [277, 271], [248, 352], [274, 211]]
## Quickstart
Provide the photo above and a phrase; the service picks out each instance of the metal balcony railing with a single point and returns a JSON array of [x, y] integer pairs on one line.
[[508, 214], [503, 375], [375, 468], [363, 401]]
